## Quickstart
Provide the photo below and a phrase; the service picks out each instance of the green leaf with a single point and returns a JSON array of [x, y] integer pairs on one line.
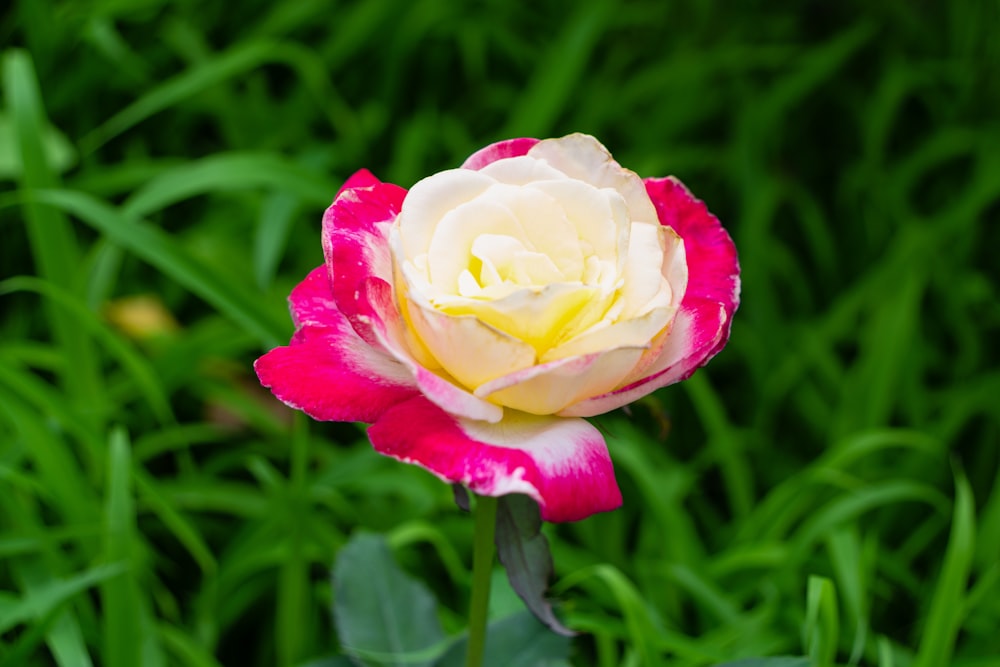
[[383, 616], [53, 243], [58, 151], [231, 172], [461, 497], [524, 552], [159, 249], [822, 626], [41, 601], [942, 624], [120, 595], [515, 640]]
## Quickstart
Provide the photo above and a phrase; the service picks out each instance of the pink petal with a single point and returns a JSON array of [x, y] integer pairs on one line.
[[698, 332], [713, 268], [327, 370], [499, 151], [549, 388], [359, 179], [701, 327], [562, 463], [355, 243], [377, 310], [312, 303]]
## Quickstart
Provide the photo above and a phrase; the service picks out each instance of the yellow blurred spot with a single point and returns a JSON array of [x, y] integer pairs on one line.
[[141, 317]]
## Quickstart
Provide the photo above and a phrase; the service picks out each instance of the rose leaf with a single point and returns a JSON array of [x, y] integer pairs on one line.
[[461, 497], [383, 616], [524, 552]]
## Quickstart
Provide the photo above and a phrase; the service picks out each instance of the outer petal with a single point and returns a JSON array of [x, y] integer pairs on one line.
[[472, 351], [697, 333], [702, 325], [550, 388], [499, 151], [387, 327], [562, 463], [362, 178], [713, 268], [355, 231], [355, 241], [584, 157], [311, 301], [327, 370]]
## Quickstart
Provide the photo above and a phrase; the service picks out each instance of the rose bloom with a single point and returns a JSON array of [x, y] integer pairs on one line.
[[475, 320]]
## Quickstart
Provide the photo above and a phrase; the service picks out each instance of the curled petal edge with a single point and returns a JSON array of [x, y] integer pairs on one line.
[[563, 464], [329, 373], [713, 265], [699, 331], [499, 151]]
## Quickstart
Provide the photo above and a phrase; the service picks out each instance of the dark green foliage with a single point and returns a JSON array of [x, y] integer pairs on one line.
[[829, 486], [524, 553], [383, 616]]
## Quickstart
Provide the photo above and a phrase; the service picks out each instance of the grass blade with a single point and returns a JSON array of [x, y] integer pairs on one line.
[[51, 237], [118, 347], [944, 618], [224, 172], [549, 91], [164, 253], [41, 601], [119, 596], [238, 60]]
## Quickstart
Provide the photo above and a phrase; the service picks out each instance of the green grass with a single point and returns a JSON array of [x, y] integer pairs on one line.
[[829, 486]]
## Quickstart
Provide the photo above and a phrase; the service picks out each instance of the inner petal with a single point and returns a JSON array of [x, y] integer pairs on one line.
[[531, 217], [600, 222], [509, 260], [539, 316], [521, 170], [644, 286], [450, 251], [431, 199]]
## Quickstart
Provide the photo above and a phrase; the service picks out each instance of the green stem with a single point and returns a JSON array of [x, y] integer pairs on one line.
[[482, 567]]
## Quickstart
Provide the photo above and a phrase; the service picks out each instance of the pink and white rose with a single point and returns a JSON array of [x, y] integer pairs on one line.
[[476, 319]]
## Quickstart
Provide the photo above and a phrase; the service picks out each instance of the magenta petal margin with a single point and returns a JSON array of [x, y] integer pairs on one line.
[[561, 463], [353, 358], [327, 370]]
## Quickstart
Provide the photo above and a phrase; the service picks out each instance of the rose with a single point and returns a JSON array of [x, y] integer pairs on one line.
[[475, 319]]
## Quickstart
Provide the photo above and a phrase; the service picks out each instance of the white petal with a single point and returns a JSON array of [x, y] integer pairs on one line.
[[644, 286], [521, 170], [675, 266], [529, 216], [584, 157], [549, 388], [637, 332], [469, 350], [600, 220], [430, 199], [539, 317]]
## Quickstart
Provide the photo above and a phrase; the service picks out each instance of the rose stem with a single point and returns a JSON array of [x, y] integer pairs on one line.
[[482, 566]]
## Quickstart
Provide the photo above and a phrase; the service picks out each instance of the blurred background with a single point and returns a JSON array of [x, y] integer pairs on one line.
[[828, 485]]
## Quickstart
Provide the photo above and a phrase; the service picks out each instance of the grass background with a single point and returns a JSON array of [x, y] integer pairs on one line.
[[829, 485]]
